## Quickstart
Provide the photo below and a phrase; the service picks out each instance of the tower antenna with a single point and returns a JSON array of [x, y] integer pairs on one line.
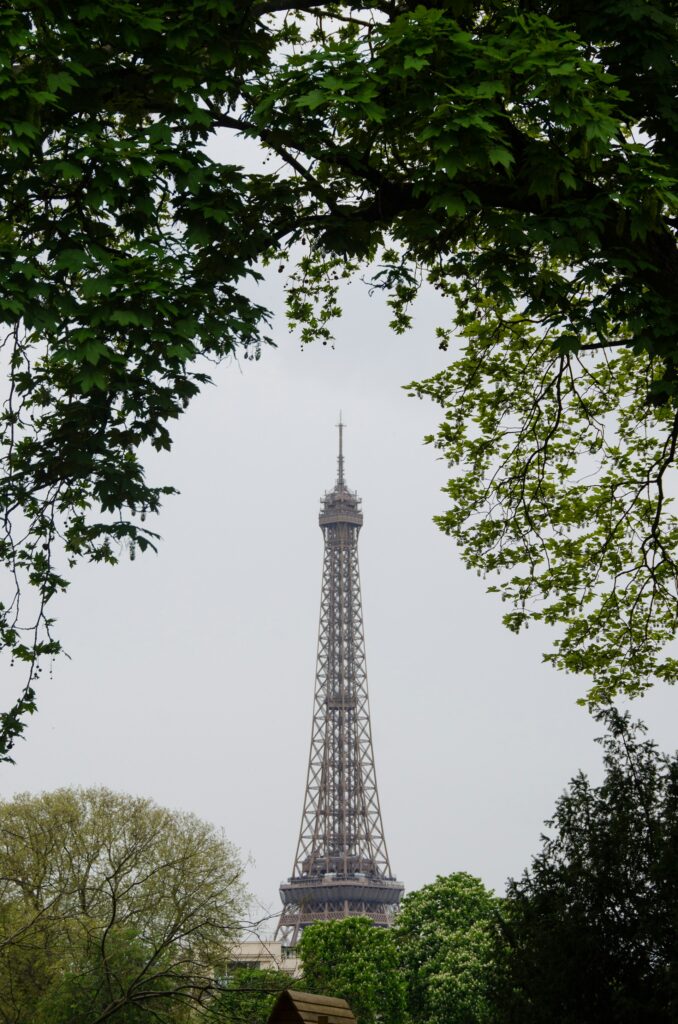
[[340, 474]]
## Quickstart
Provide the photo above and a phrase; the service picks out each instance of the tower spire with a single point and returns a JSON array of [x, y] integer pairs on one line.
[[340, 473], [341, 868]]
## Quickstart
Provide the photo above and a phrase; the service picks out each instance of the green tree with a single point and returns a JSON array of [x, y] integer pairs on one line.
[[593, 923], [111, 908], [446, 935], [520, 156], [247, 996], [117, 987], [353, 960]]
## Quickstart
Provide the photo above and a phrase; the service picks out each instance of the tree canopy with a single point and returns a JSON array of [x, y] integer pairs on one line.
[[520, 156], [111, 908], [247, 996], [592, 922], [447, 950], [352, 959]]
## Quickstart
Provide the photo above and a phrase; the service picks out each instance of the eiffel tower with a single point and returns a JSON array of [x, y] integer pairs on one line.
[[341, 868]]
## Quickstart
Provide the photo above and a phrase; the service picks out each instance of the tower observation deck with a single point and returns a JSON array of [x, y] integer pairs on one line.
[[341, 868]]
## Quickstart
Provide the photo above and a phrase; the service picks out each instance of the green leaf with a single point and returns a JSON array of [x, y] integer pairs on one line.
[[125, 317], [314, 99], [61, 81], [415, 63], [501, 155]]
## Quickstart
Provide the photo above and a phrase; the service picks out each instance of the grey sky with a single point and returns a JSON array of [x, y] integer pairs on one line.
[[192, 672]]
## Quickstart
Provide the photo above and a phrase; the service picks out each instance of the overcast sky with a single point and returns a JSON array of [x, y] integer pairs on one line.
[[191, 674]]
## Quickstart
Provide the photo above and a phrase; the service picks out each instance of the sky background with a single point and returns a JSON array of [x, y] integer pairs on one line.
[[192, 671]]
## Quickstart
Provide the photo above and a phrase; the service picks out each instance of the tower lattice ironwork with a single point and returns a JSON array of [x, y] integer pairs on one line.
[[341, 868]]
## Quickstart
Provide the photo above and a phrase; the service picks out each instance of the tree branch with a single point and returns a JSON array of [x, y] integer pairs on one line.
[[276, 6]]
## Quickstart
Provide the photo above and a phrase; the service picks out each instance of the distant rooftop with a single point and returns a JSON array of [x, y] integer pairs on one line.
[[305, 1008]]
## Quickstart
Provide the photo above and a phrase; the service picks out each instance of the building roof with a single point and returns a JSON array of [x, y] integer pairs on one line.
[[293, 1007]]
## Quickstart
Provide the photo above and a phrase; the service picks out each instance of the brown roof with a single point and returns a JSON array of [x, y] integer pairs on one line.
[[293, 1007]]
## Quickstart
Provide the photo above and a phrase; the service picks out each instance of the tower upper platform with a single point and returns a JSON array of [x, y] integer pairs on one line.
[[340, 505]]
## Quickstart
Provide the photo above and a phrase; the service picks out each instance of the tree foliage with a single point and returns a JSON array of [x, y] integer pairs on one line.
[[519, 155], [522, 158], [111, 908], [92, 987], [247, 996], [351, 959], [447, 949], [592, 924], [122, 250]]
